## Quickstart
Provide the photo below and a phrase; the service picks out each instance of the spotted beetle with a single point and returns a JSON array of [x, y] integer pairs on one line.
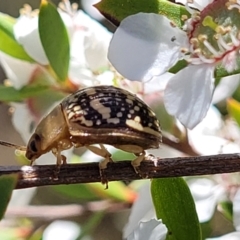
[[96, 115]]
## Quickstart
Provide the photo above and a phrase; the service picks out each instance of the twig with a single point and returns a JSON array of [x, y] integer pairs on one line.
[[153, 168], [65, 211], [183, 147]]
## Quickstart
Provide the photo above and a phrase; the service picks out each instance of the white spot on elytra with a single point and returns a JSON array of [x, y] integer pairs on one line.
[[105, 115], [136, 108], [129, 115], [131, 97], [129, 101], [137, 119], [113, 120], [100, 108], [88, 123], [91, 91], [98, 122], [76, 108], [70, 106], [70, 115], [131, 111], [119, 114], [137, 126]]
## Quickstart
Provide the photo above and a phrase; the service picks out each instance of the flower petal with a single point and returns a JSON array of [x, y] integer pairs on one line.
[[189, 93], [142, 210], [22, 115], [144, 46], [90, 42], [226, 88], [206, 194], [27, 34], [62, 230], [88, 7], [236, 210], [13, 68], [151, 230], [158, 83]]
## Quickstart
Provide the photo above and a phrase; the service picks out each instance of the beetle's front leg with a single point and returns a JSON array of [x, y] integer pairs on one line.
[[61, 159]]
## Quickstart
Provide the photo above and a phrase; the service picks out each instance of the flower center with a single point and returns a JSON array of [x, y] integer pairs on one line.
[[214, 33]]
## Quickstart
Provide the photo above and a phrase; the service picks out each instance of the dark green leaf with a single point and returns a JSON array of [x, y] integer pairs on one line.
[[54, 38], [8, 43], [7, 184], [117, 10], [175, 206]]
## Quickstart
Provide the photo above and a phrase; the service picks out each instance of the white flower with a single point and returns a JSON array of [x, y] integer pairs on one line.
[[206, 196], [146, 45], [89, 42], [27, 34], [13, 69], [151, 230], [62, 230], [142, 210]]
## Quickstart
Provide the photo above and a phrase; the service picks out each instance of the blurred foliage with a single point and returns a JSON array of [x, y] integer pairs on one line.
[[7, 184]]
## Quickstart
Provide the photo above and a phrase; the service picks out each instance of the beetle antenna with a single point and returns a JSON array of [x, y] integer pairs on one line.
[[11, 145]]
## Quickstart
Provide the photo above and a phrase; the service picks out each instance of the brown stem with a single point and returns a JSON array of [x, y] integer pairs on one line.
[[153, 168], [183, 147], [65, 211]]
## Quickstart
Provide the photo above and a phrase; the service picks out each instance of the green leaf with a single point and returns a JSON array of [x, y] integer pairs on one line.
[[54, 38], [93, 191], [6, 24], [175, 206], [116, 190], [233, 107], [116, 10], [75, 192], [227, 209], [90, 225], [8, 43], [7, 184], [10, 94]]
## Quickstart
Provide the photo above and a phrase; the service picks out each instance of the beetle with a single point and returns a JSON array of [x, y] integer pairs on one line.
[[96, 115]]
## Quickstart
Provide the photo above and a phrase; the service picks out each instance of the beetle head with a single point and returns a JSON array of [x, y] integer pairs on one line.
[[50, 131], [34, 149]]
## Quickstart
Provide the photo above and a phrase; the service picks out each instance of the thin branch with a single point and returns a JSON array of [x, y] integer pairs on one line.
[[65, 211], [153, 168], [183, 147]]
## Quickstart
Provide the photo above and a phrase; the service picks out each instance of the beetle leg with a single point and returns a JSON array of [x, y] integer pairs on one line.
[[137, 162], [103, 152], [32, 161]]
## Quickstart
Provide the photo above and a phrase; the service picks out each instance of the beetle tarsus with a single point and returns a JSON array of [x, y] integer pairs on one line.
[[103, 178]]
